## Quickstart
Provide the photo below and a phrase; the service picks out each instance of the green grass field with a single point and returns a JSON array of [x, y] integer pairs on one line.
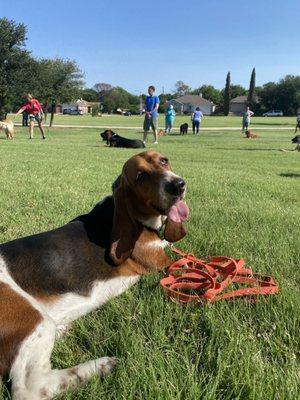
[[136, 120], [244, 201]]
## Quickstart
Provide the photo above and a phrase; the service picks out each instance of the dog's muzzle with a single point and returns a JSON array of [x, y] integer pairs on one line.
[[175, 187]]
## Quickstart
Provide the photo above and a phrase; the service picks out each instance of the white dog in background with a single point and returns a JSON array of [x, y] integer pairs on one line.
[[7, 126]]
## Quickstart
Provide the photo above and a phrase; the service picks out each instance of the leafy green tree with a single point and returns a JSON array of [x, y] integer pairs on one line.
[[284, 95], [89, 95], [288, 93], [102, 87], [237, 90], [269, 95], [227, 94], [59, 81], [181, 88], [210, 93], [163, 99], [118, 97], [14, 61]]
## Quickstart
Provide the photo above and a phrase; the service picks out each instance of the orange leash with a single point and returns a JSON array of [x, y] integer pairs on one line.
[[192, 279]]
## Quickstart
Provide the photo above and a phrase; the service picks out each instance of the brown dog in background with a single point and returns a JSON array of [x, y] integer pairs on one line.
[[250, 135], [161, 133], [8, 127]]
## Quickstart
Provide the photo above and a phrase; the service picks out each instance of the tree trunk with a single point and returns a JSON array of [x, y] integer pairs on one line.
[[2, 110], [46, 111], [52, 114]]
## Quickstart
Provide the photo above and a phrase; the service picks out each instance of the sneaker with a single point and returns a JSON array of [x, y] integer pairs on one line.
[[156, 142], [44, 137], [144, 142]]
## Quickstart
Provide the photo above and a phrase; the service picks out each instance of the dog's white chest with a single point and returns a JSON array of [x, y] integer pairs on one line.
[[71, 306]]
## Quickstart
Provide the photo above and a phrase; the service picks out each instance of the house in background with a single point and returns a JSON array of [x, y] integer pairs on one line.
[[238, 105], [81, 106], [189, 102]]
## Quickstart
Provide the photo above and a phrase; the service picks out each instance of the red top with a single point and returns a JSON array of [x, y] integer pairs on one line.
[[32, 107]]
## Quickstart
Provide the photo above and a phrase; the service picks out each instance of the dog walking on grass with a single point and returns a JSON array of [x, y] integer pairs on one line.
[[7, 126]]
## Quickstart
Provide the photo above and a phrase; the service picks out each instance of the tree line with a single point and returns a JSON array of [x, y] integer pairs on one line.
[[56, 81], [52, 81]]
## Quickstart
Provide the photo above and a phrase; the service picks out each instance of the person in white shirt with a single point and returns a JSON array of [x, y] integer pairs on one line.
[[246, 119]]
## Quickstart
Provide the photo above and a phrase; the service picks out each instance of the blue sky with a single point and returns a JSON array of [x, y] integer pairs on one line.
[[136, 43]]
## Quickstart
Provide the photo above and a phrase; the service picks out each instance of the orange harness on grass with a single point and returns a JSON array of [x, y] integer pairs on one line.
[[192, 279]]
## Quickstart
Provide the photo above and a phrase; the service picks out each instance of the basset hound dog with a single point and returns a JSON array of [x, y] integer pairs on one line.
[[7, 126], [114, 140], [50, 279]]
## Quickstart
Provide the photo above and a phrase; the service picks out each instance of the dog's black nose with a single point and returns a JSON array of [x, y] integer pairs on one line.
[[175, 187]]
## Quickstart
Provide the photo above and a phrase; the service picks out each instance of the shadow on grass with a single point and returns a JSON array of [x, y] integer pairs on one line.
[[272, 124], [289, 175], [235, 149]]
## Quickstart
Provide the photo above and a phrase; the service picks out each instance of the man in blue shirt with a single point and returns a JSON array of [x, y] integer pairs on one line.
[[151, 114]]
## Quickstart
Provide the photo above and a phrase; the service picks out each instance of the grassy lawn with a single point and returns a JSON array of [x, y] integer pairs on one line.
[[244, 201], [136, 120]]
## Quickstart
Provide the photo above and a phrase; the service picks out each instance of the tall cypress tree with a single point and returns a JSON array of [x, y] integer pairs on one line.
[[227, 94], [251, 93]]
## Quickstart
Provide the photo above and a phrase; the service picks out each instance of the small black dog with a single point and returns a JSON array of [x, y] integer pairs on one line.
[[114, 140], [184, 129]]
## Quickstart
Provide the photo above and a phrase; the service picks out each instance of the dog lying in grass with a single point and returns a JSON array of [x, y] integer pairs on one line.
[[250, 135], [7, 126], [50, 279], [296, 140], [114, 140]]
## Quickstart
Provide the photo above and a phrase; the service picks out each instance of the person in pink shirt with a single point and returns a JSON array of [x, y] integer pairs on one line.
[[35, 113]]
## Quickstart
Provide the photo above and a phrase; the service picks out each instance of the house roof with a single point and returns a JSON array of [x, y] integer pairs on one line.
[[193, 99], [239, 99], [80, 103], [243, 99]]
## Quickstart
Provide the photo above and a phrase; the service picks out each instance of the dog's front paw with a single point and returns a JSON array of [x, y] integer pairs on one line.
[[106, 365]]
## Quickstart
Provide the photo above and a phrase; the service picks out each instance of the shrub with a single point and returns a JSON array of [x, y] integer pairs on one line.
[[95, 111]]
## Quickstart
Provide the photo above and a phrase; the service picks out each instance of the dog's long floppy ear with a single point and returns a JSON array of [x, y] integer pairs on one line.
[[125, 230], [174, 231]]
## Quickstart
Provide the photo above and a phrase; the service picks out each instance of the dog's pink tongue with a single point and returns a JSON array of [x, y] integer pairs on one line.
[[179, 212]]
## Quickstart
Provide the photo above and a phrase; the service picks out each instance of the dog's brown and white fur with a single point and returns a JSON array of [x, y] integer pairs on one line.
[[250, 135], [51, 279], [7, 126]]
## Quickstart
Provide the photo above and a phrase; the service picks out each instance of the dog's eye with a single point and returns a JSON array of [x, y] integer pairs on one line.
[[164, 162], [141, 176]]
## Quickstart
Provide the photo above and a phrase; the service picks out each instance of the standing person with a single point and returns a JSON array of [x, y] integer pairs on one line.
[[196, 120], [297, 121], [246, 119], [24, 118], [151, 109], [170, 116], [35, 113]]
